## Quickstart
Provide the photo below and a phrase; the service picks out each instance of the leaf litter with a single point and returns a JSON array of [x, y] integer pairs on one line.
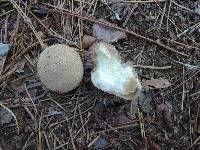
[[87, 115], [155, 84], [107, 34]]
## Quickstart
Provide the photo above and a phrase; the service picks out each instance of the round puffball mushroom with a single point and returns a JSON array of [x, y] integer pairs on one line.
[[60, 68]]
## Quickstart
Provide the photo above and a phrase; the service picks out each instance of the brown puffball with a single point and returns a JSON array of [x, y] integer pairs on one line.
[[60, 68]]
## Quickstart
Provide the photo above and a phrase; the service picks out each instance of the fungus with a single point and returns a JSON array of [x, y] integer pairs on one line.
[[60, 68], [113, 76]]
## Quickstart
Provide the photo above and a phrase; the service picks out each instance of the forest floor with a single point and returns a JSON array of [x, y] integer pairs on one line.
[[162, 41]]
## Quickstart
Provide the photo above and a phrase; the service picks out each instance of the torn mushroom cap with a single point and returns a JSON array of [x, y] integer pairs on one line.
[[60, 68], [111, 75]]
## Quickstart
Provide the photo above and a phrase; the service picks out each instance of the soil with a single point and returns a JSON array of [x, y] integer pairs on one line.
[[162, 42]]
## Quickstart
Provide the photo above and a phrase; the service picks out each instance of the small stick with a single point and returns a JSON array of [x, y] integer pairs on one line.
[[170, 4], [152, 67], [130, 124], [93, 141], [150, 1], [183, 90], [71, 137], [182, 44], [162, 15]]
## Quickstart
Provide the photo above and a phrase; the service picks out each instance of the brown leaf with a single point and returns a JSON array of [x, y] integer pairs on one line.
[[155, 84], [107, 34], [87, 41], [120, 119]]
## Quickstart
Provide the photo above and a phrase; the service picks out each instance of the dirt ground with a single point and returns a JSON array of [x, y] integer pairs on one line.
[[162, 42]]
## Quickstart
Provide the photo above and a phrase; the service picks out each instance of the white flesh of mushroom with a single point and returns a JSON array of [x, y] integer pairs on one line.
[[113, 76]]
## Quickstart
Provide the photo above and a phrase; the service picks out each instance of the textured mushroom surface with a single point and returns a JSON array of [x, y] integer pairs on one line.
[[111, 75], [60, 68]]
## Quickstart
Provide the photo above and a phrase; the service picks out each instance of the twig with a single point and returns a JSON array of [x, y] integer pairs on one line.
[[52, 32], [170, 4], [25, 145], [8, 73], [28, 21], [195, 142], [6, 13], [152, 67], [40, 135], [68, 12], [31, 99], [196, 73], [188, 29], [150, 1], [181, 44], [47, 142], [194, 94], [6, 28], [182, 6], [162, 15], [71, 117], [71, 137], [172, 21], [93, 141], [183, 92], [131, 124], [80, 25], [132, 8], [14, 38]]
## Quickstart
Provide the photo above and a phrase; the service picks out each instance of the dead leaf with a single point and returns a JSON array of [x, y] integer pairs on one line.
[[4, 48], [107, 34], [155, 84], [20, 66], [144, 101], [87, 41], [120, 119], [5, 116]]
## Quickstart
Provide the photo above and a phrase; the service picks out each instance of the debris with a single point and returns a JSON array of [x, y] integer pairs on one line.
[[87, 41], [111, 75], [20, 66], [67, 27], [197, 10], [118, 7], [4, 48], [60, 68], [40, 11], [144, 101], [107, 34], [155, 84], [101, 143], [191, 66], [5, 116], [120, 119]]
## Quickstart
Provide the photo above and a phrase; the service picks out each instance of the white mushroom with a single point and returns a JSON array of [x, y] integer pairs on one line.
[[111, 75]]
